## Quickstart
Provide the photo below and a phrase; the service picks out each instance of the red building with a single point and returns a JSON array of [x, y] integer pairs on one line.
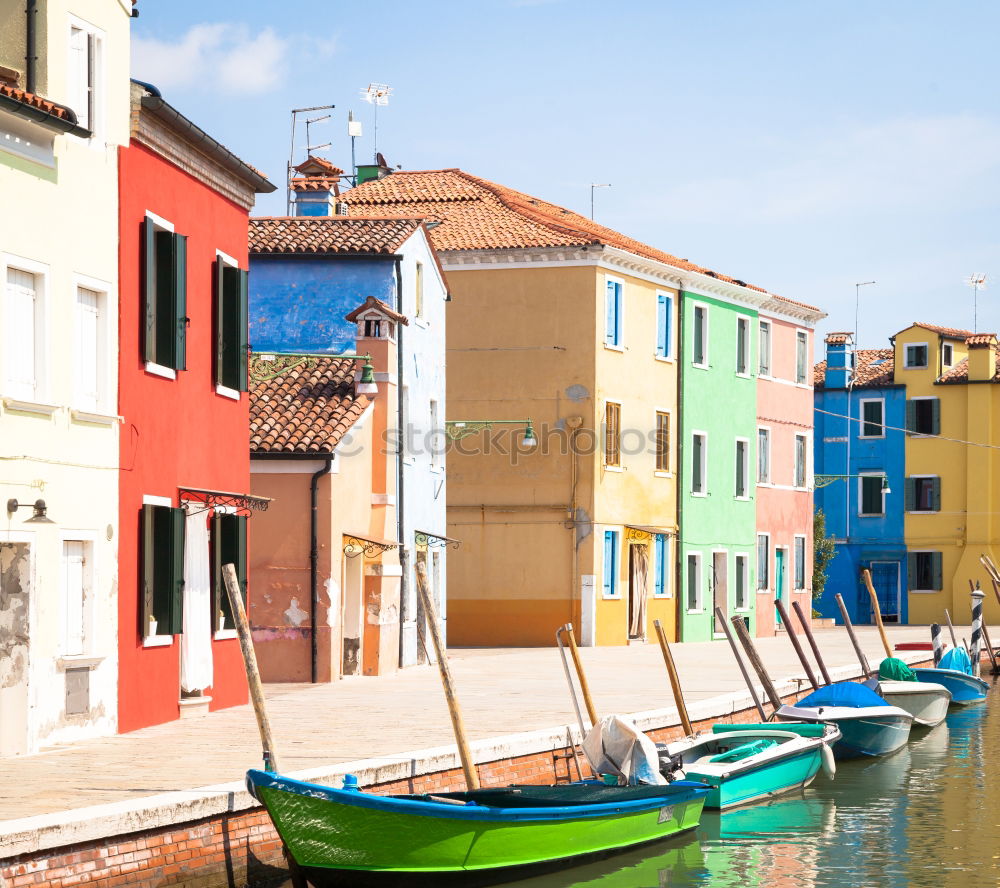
[[185, 471]]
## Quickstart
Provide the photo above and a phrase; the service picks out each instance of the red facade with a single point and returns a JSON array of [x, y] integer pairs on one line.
[[177, 433]]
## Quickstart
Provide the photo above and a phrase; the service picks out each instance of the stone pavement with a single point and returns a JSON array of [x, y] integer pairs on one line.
[[502, 691]]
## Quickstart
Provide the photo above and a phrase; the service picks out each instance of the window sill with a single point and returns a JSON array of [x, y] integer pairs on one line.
[[765, 375], [614, 468], [225, 635], [36, 407], [923, 511], [925, 591], [663, 596], [86, 416], [614, 348], [742, 610], [743, 375], [161, 371], [873, 515], [615, 597], [699, 366], [914, 367], [699, 495], [78, 661], [157, 641], [763, 591], [226, 392], [765, 484], [664, 359], [742, 499], [693, 613], [661, 474]]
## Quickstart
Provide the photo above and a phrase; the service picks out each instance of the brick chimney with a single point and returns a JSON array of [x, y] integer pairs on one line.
[[982, 356], [317, 188], [838, 360]]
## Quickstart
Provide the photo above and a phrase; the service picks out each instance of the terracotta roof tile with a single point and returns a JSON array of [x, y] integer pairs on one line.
[[479, 215], [386, 309], [949, 332], [875, 369], [959, 374], [322, 166], [838, 338], [306, 409], [329, 234], [981, 340], [315, 183], [36, 101]]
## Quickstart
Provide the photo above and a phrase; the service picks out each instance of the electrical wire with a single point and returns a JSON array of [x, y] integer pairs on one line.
[[910, 432]]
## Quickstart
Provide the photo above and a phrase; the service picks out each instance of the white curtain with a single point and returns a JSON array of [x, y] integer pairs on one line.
[[196, 642]]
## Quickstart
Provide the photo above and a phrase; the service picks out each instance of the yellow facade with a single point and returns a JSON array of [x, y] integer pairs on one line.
[[528, 342]]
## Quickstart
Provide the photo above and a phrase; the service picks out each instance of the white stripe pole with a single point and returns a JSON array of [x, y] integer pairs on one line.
[[936, 642], [977, 626]]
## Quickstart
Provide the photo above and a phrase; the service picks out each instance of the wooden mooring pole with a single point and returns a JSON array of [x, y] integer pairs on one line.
[[744, 636], [675, 682], [862, 659], [793, 638], [867, 577], [584, 687], [807, 629], [721, 617]]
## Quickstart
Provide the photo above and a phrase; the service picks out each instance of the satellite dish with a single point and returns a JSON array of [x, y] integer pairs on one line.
[[380, 160]]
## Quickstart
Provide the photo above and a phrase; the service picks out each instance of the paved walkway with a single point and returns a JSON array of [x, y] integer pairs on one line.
[[502, 691]]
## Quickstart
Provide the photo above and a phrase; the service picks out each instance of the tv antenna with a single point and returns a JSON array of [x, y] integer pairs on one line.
[[309, 146], [594, 185], [291, 154], [977, 282], [376, 94]]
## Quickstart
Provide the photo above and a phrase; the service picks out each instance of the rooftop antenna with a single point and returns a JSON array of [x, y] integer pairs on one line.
[[977, 282], [594, 185], [354, 131], [309, 146], [291, 153], [376, 94]]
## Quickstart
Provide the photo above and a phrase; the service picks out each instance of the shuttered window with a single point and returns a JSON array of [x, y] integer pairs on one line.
[[661, 554], [763, 456], [694, 582], [924, 571], [664, 312], [800, 562], [801, 458], [162, 570], [699, 455], [610, 588], [801, 357], [764, 348], [612, 434], [763, 560], [613, 314], [742, 468], [231, 326], [88, 349], [923, 416], [82, 76], [662, 442], [229, 546], [872, 500], [164, 339], [699, 354], [742, 582], [872, 418], [22, 324], [922, 495], [743, 346]]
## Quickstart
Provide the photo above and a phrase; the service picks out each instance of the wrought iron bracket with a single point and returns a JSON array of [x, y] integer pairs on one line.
[[243, 503], [355, 546], [432, 540]]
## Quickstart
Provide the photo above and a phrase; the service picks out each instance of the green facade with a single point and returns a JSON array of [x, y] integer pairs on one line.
[[719, 405]]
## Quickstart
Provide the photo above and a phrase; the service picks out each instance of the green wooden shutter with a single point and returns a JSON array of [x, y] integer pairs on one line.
[[180, 301], [148, 290], [220, 601], [147, 521], [911, 570], [229, 546], [936, 416], [163, 302], [220, 328], [243, 342], [936, 495], [936, 570], [176, 571], [911, 416], [909, 493]]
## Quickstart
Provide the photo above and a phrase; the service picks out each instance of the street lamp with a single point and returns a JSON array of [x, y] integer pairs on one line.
[[38, 515], [456, 429], [826, 480]]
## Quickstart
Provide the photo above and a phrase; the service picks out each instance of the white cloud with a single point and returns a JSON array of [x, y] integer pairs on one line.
[[221, 56]]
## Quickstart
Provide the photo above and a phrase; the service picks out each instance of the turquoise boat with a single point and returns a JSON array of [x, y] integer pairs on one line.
[[483, 837], [747, 763]]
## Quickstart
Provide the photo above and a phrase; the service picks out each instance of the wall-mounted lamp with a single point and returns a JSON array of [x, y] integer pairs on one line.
[[826, 480], [38, 516], [462, 428]]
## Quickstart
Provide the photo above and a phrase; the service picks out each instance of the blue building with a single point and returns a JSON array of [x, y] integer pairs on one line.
[[860, 470]]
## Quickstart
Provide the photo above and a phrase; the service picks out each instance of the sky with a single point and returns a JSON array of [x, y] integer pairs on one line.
[[802, 146]]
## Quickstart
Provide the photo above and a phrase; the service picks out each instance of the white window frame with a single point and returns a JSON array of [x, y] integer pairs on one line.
[[696, 433], [768, 482], [97, 124], [745, 573], [950, 352], [89, 617], [906, 356], [223, 390], [668, 358], [766, 588], [668, 591], [153, 368], [744, 321], [700, 583], [705, 364], [106, 368], [807, 468], [770, 348], [923, 434], [904, 565], [746, 468], [40, 403], [620, 345], [805, 562], [861, 417], [861, 481], [149, 641]]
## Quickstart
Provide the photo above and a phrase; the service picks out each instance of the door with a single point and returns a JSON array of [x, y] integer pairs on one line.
[[354, 614], [14, 596], [422, 630], [885, 579], [638, 571], [779, 581], [720, 588]]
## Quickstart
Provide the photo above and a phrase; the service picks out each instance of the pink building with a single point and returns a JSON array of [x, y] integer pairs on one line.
[[784, 469]]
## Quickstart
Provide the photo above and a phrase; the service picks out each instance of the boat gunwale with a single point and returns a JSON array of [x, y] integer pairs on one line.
[[974, 680], [766, 757]]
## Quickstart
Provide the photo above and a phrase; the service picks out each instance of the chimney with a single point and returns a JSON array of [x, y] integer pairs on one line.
[[982, 356], [317, 188], [838, 360]]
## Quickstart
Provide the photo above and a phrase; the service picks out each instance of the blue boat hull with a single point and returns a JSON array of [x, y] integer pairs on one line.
[[871, 736], [965, 689]]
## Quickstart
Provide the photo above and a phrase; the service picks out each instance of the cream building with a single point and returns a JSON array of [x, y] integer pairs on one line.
[[64, 109]]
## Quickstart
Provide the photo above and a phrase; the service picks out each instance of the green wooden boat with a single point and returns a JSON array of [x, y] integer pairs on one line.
[[348, 837]]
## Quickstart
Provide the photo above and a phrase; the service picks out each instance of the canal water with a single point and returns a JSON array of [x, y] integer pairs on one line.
[[928, 815]]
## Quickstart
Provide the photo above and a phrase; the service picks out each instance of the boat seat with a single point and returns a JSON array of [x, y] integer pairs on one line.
[[744, 750]]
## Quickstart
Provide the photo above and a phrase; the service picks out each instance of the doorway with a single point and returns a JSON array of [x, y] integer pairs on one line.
[[638, 571], [354, 614], [720, 589], [15, 582], [885, 579], [780, 571]]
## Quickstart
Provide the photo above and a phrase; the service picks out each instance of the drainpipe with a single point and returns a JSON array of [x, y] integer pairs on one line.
[[31, 57], [314, 564], [679, 489], [404, 553]]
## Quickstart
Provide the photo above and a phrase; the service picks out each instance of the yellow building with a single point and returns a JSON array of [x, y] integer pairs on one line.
[[952, 405], [64, 113], [570, 325]]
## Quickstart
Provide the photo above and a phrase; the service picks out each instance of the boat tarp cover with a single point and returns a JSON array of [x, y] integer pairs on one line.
[[843, 693], [894, 669], [956, 659], [803, 730], [744, 750], [616, 746]]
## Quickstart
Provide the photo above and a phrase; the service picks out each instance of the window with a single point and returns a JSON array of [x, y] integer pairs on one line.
[[742, 468], [231, 325], [699, 463], [661, 567], [89, 375], [162, 570], [435, 445], [923, 494], [75, 583], [801, 357], [419, 291], [83, 74], [764, 348], [611, 564], [924, 571], [923, 416], [915, 355], [662, 441], [742, 582], [800, 563], [664, 318], [373, 328], [229, 546], [763, 561], [699, 355], [694, 582], [743, 346], [801, 460], [23, 335], [948, 354], [164, 338], [763, 456], [872, 494], [612, 434], [613, 314], [872, 418]]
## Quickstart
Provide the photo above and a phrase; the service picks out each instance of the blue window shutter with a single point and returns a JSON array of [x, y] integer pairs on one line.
[[609, 562], [661, 567], [619, 332], [611, 322], [661, 325]]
